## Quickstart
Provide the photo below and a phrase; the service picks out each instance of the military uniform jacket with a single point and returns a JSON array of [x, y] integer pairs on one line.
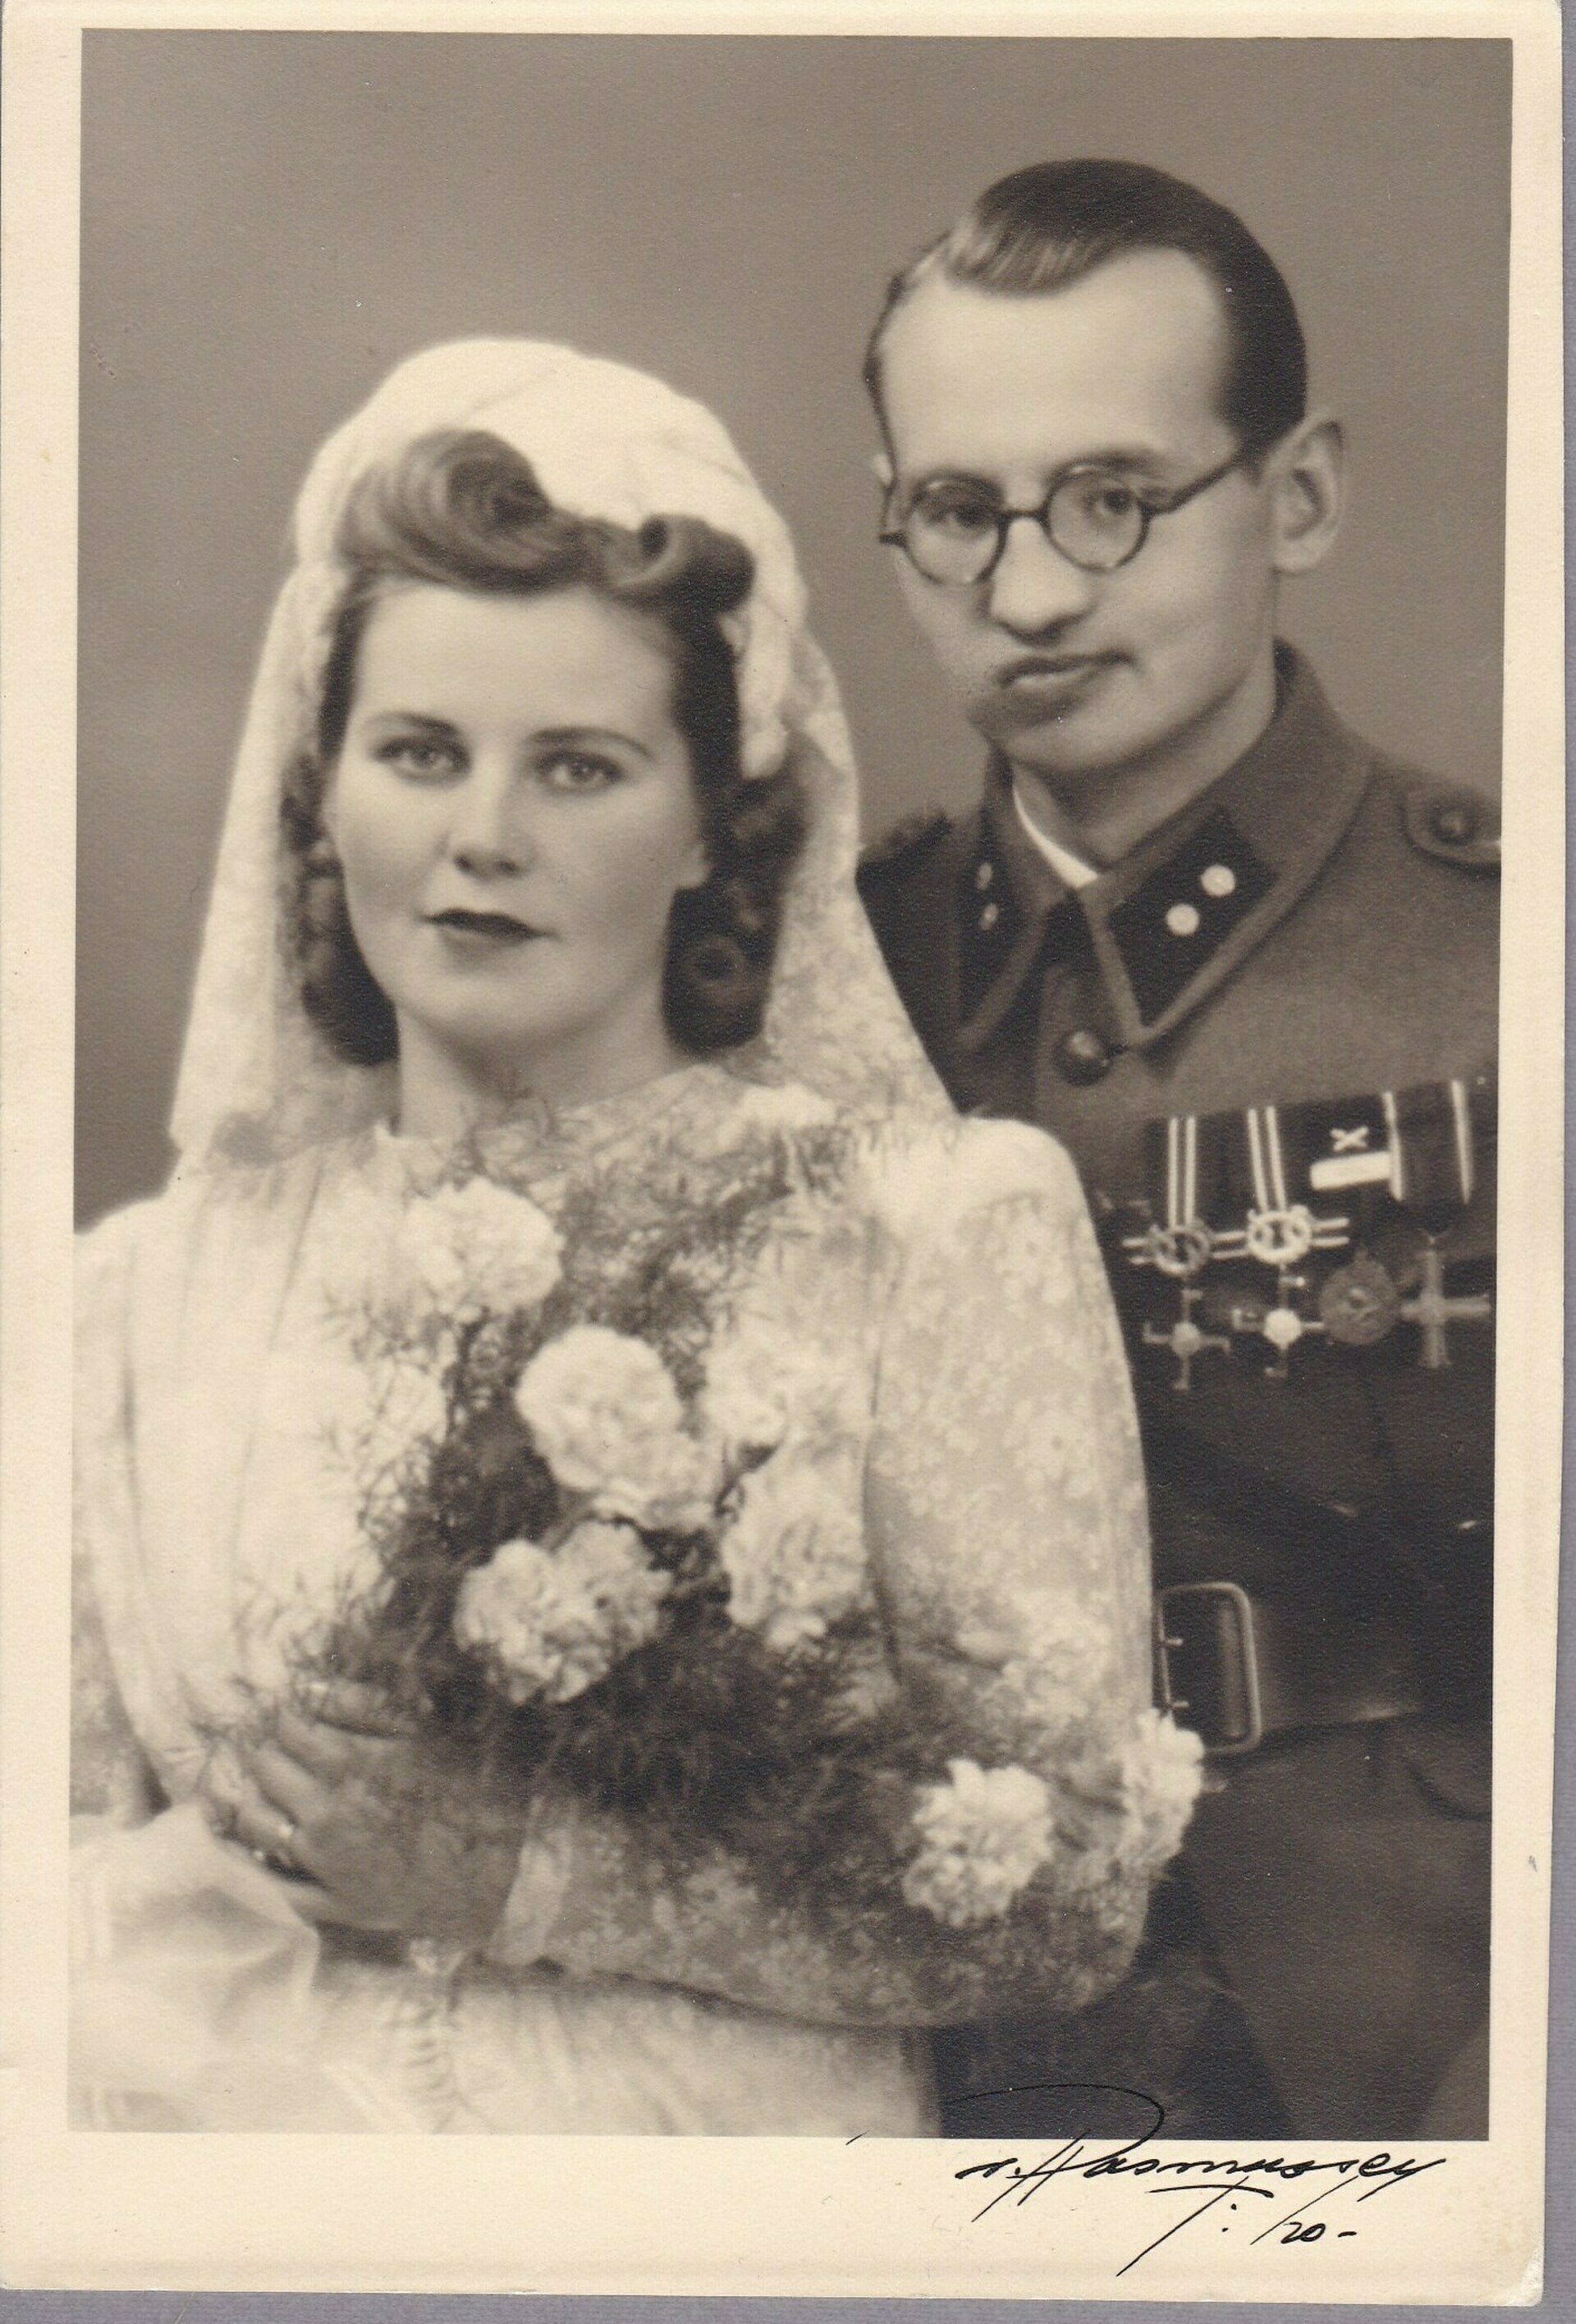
[[1267, 1037]]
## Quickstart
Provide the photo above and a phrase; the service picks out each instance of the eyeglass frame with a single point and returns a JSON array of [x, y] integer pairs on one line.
[[1151, 504]]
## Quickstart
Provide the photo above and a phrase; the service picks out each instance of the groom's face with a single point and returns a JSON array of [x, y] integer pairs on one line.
[[1080, 676]]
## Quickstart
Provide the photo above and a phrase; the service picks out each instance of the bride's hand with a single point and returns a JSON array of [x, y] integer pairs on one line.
[[345, 1803]]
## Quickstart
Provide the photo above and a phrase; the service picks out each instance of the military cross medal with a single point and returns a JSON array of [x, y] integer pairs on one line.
[[1432, 1311], [1284, 1326], [1278, 1233], [1186, 1338], [1434, 1179], [1180, 1249]]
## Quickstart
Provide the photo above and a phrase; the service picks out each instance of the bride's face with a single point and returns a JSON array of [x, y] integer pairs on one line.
[[514, 811]]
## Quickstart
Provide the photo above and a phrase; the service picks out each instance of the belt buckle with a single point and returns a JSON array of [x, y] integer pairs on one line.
[[1206, 1664]]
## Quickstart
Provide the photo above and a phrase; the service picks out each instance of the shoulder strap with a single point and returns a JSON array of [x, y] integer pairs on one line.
[[909, 842], [1453, 824]]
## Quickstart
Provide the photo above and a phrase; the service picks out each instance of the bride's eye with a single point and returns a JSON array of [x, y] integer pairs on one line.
[[580, 771], [419, 756]]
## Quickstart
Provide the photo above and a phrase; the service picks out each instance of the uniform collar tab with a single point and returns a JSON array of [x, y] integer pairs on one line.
[[1006, 894], [1175, 919]]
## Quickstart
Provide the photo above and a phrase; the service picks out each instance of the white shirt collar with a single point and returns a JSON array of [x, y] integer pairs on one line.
[[1071, 870]]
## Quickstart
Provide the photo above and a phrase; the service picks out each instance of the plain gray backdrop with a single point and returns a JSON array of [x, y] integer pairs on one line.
[[270, 220]]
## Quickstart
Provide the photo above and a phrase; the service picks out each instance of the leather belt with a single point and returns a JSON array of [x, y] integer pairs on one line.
[[1237, 1668]]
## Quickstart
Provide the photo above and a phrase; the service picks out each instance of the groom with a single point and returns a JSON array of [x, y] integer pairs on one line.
[[1244, 967]]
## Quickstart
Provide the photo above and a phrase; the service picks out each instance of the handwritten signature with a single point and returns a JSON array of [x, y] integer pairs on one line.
[[1221, 2180]]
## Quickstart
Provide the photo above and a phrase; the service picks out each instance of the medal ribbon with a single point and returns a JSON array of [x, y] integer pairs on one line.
[[1265, 1159], [1415, 1147], [1433, 1164], [1179, 1240], [1182, 1169], [1280, 1230]]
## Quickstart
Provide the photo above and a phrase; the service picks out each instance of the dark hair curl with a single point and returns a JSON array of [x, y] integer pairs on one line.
[[462, 509]]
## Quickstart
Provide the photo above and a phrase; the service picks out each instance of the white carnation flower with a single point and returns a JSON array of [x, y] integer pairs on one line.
[[761, 1383], [1162, 1769], [984, 1833], [794, 1554], [1123, 1810], [672, 1488], [476, 1248], [607, 1418], [552, 1623]]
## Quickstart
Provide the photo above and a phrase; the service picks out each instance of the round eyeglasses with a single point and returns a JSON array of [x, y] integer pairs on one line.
[[955, 530]]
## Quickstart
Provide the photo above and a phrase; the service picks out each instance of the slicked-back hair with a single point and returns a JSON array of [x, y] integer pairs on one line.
[[1045, 227], [462, 509]]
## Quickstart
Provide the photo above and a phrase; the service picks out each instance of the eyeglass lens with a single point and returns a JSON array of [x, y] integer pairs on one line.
[[956, 532]]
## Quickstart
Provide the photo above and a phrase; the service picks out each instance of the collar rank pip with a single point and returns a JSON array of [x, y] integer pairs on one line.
[[1278, 1225]]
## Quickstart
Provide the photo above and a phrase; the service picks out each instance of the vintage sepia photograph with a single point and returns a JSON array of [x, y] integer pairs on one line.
[[796, 1079]]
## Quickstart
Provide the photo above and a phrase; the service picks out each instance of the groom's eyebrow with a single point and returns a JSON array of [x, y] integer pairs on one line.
[[1140, 462]]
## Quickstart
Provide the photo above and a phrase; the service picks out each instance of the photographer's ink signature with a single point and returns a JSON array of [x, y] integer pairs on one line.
[[1229, 2185]]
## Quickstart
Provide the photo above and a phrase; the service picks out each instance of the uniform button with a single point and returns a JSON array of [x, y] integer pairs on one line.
[[1454, 826], [989, 916], [1082, 1056], [1183, 919], [1217, 879], [984, 874]]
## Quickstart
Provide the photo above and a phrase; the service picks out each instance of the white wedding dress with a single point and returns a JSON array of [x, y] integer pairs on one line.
[[948, 1290], [944, 1285]]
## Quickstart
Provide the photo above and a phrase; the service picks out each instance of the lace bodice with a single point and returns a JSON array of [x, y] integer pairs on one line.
[[945, 1288]]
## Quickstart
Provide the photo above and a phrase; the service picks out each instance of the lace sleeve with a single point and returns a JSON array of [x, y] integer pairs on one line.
[[110, 1776], [1006, 1496], [1006, 1518]]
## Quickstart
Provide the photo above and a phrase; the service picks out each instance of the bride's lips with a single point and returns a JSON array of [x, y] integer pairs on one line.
[[481, 930]]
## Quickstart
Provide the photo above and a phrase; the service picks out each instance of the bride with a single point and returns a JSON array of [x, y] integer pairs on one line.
[[612, 1577]]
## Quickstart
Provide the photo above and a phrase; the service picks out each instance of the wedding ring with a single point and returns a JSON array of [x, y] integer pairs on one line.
[[278, 1856]]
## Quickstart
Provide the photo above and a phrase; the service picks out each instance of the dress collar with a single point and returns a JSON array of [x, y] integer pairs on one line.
[[537, 1140], [1176, 917]]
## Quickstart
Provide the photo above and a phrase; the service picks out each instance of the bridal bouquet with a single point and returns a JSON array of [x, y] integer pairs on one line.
[[622, 1551]]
